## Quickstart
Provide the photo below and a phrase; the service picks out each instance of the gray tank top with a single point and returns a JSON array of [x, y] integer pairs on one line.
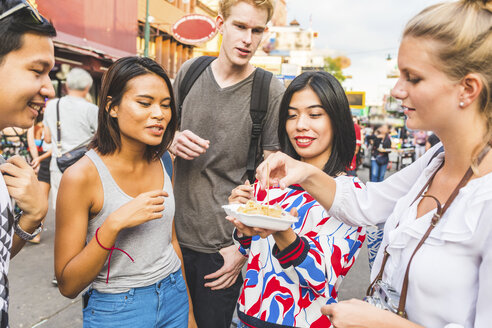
[[149, 244]]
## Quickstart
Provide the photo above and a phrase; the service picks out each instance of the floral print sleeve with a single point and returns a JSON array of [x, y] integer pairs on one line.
[[289, 287]]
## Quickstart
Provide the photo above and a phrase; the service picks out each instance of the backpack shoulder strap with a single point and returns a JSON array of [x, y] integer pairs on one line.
[[58, 129], [195, 70], [168, 164], [258, 109]]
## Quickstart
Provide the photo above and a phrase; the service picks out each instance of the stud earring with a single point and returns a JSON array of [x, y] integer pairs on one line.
[[462, 104]]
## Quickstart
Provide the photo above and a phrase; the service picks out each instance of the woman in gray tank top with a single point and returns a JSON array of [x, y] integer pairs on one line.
[[115, 231]]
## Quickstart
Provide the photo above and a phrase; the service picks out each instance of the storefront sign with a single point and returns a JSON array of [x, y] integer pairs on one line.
[[194, 29]]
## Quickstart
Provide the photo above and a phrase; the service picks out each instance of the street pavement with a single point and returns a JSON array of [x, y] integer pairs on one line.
[[35, 302]]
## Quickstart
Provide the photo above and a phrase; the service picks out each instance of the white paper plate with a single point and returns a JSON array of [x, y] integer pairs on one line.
[[261, 221]]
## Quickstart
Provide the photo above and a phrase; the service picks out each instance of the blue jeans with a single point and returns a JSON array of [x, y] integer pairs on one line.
[[163, 304], [377, 171]]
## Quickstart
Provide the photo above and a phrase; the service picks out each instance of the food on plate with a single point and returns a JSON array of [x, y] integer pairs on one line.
[[252, 207]]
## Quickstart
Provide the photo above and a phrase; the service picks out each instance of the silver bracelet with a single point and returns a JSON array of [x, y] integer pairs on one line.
[[21, 233]]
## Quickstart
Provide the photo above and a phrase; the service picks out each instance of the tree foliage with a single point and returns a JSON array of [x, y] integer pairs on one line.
[[334, 67]]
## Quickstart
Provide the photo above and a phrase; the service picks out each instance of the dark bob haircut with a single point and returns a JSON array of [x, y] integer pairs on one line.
[[335, 103], [14, 26], [107, 139]]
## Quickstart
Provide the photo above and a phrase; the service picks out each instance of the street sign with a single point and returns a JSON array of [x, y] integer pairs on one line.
[[194, 29], [312, 68], [356, 99]]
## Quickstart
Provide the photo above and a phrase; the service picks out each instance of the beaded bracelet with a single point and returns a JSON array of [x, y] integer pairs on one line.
[[111, 253]]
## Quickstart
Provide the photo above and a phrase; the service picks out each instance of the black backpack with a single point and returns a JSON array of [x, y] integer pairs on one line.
[[258, 105]]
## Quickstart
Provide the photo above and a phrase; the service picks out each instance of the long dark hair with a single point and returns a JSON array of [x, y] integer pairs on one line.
[[107, 139], [335, 103]]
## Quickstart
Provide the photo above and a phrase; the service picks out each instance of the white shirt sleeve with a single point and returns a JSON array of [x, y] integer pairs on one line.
[[483, 316], [370, 205]]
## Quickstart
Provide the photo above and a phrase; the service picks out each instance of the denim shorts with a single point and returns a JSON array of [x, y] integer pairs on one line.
[[163, 304]]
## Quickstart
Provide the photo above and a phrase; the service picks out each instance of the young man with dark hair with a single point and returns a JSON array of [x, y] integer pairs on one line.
[[26, 58], [212, 154]]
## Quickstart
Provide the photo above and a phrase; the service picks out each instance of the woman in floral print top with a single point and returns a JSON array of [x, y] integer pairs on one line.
[[291, 274]]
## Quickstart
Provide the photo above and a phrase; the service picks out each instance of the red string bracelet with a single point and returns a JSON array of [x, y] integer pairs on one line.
[[111, 253]]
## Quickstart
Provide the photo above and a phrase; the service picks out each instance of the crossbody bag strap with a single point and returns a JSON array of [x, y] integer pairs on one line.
[[435, 219], [424, 188], [370, 290], [58, 129], [15, 131]]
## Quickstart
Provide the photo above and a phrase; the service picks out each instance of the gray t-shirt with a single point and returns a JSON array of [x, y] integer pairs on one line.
[[78, 119], [203, 185]]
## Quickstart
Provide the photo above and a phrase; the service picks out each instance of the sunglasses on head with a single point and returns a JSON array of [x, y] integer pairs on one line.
[[26, 6]]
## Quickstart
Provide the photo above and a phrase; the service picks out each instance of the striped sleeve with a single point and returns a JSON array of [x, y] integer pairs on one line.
[[294, 254], [243, 243]]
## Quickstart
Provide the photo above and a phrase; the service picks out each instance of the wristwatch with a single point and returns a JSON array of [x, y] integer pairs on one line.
[[21, 233]]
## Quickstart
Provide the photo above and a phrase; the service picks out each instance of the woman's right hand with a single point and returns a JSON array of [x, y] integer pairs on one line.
[[282, 170], [241, 194], [145, 207]]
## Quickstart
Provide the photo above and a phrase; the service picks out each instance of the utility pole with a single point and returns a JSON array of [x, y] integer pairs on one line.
[[147, 31]]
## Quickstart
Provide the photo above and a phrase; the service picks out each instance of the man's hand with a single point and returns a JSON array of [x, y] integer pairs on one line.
[[188, 145], [226, 276], [25, 189]]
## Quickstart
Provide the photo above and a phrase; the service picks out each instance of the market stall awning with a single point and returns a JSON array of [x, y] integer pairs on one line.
[[101, 29], [90, 48]]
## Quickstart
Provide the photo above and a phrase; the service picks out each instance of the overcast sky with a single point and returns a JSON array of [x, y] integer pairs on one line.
[[366, 31]]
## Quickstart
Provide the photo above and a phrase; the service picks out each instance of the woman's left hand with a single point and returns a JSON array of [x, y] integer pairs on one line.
[[244, 230]]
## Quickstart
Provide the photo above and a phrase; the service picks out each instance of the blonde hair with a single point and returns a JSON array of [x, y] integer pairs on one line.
[[225, 6], [462, 31]]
